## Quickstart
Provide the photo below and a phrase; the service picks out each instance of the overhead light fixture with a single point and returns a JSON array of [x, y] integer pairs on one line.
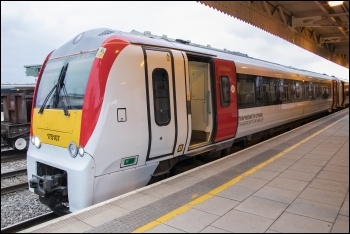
[[335, 3]]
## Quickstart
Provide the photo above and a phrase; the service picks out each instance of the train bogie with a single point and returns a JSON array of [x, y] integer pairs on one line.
[[116, 111]]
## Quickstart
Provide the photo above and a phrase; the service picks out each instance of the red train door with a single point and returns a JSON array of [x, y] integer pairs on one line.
[[335, 94], [226, 99]]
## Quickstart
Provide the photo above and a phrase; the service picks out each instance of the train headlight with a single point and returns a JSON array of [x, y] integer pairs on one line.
[[37, 142], [73, 150], [81, 151], [32, 140]]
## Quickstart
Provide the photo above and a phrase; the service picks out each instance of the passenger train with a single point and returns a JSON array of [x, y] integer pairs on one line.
[[114, 110]]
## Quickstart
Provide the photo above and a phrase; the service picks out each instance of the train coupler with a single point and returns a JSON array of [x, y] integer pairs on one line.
[[48, 184]]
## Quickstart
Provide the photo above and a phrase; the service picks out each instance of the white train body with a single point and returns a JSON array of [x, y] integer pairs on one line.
[[145, 102]]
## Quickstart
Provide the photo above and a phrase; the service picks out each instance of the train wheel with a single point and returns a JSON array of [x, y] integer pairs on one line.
[[20, 144]]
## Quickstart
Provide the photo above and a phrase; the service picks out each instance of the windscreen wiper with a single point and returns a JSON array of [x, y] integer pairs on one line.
[[55, 87], [61, 86], [46, 99], [65, 107]]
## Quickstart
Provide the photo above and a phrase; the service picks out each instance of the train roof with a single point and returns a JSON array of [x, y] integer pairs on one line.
[[244, 63]]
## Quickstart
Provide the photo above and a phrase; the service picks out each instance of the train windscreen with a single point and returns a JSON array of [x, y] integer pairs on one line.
[[63, 82]]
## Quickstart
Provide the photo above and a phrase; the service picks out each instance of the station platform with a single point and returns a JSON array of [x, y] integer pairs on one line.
[[295, 182]]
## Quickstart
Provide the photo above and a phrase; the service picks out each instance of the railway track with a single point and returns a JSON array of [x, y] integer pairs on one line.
[[23, 184], [14, 173], [29, 223], [12, 155]]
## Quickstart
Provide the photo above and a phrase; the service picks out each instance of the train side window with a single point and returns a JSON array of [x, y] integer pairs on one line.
[[325, 93], [161, 99], [285, 90], [318, 91], [246, 89], [225, 97], [263, 89], [305, 90], [298, 90], [311, 91]]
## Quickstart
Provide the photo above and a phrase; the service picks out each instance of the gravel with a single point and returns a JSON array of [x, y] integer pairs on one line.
[[13, 165], [21, 205]]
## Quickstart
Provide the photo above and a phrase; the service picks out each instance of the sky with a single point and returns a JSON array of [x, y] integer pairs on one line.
[[30, 30]]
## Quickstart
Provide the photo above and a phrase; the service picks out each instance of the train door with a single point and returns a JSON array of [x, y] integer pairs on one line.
[[160, 103], [226, 99], [335, 94], [341, 93], [201, 104]]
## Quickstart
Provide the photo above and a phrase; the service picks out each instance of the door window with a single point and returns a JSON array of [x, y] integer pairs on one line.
[[160, 81]]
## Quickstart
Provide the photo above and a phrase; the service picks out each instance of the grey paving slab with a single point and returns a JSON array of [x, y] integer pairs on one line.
[[162, 228], [161, 190], [300, 151], [134, 201], [275, 167], [277, 194], [183, 181], [216, 205], [271, 231], [314, 210], [335, 168], [298, 175], [318, 156], [313, 162], [330, 185], [286, 183], [305, 168], [331, 175], [78, 227], [339, 162], [293, 223], [203, 174], [314, 142], [262, 207], [341, 225], [293, 156], [239, 222], [61, 224], [192, 220], [236, 192], [105, 216], [264, 174], [345, 208], [323, 196], [253, 183], [324, 151], [285, 161], [212, 229]]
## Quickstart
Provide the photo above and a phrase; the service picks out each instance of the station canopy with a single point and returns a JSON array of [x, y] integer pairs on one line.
[[320, 27]]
